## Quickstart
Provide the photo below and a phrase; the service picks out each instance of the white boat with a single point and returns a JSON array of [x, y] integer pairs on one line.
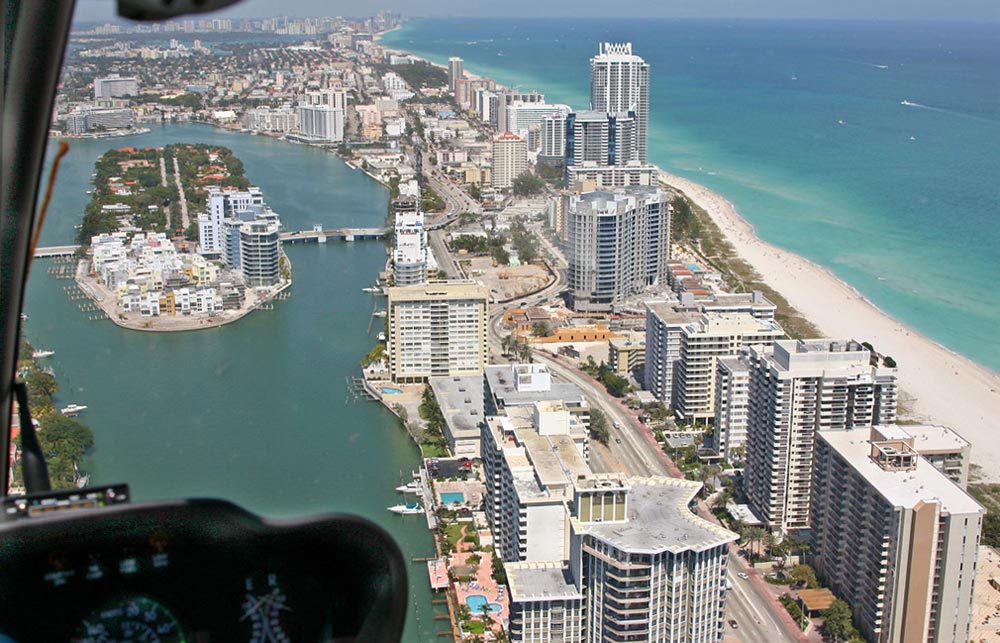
[[409, 487], [72, 409], [381, 336], [38, 354], [407, 509], [379, 313], [372, 289]]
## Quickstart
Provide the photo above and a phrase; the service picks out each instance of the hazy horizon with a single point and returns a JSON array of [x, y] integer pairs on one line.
[[923, 10]]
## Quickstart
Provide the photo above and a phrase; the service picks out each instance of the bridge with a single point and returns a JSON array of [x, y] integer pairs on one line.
[[318, 235], [303, 236], [55, 251]]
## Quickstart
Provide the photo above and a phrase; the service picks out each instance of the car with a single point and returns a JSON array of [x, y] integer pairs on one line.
[[733, 624], [618, 440], [743, 575], [618, 424]]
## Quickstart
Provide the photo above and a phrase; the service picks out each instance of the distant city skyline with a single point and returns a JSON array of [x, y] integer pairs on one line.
[[980, 10]]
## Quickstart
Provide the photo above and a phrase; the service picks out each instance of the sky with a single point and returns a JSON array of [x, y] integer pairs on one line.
[[976, 10]]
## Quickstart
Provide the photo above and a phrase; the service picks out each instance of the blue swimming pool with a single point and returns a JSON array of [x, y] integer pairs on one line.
[[453, 498], [476, 602], [388, 390]]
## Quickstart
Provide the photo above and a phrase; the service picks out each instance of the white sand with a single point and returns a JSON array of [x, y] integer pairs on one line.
[[938, 386]]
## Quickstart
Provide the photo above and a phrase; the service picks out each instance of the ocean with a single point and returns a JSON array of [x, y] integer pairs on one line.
[[872, 149]]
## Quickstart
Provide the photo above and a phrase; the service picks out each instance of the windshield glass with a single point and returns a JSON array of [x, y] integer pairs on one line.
[[231, 297]]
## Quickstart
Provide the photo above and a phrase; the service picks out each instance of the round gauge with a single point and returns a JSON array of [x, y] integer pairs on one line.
[[265, 608], [130, 619]]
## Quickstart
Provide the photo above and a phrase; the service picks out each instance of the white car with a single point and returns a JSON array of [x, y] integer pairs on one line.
[[743, 575]]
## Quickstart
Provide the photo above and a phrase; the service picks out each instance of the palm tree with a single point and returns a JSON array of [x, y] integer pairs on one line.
[[721, 500]]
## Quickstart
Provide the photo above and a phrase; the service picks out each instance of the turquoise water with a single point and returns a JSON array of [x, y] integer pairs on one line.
[[388, 390], [257, 412], [452, 498], [476, 602], [802, 126]]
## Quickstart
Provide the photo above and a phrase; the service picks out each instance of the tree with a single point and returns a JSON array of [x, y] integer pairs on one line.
[[599, 426], [721, 500], [805, 576], [837, 622], [527, 184], [539, 329]]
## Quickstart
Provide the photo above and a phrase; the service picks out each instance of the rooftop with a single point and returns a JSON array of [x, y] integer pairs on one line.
[[540, 581], [503, 387], [927, 438], [439, 290], [461, 402], [659, 520], [902, 488]]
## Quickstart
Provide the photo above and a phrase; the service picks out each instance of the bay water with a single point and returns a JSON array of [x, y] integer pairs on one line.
[[257, 412]]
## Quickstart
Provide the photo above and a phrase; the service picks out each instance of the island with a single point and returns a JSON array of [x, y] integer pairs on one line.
[[176, 238]]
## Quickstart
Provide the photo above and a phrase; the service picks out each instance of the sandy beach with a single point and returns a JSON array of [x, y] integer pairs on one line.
[[938, 386]]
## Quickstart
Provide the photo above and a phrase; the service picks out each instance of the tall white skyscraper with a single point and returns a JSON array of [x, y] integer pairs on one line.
[[619, 82], [321, 123]]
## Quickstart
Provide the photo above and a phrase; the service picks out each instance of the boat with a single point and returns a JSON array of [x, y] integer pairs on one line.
[[381, 336], [379, 313], [72, 409], [409, 487], [24, 317], [407, 509], [371, 289], [38, 354]]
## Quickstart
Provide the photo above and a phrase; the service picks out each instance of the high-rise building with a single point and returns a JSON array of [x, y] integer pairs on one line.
[[601, 138], [510, 159], [553, 134], [115, 85], [508, 97], [437, 330], [260, 253], [619, 82], [409, 243], [597, 557], [732, 405], [224, 204], [619, 244], [456, 71], [799, 387], [321, 123], [522, 116], [894, 537], [682, 346]]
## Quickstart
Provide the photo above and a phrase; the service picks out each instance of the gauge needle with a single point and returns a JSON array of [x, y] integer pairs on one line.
[[266, 598]]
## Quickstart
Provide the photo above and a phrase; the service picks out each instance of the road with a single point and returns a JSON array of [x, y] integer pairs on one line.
[[445, 260], [185, 223]]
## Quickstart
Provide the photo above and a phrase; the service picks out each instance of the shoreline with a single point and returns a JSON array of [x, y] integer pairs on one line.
[[937, 384]]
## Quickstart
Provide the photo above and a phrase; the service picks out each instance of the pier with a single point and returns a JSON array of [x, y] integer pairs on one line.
[[55, 251]]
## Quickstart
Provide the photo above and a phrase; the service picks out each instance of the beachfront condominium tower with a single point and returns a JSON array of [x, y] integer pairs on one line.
[[456, 71], [619, 244], [619, 82], [894, 537], [321, 123], [510, 159], [437, 330], [260, 253], [799, 387]]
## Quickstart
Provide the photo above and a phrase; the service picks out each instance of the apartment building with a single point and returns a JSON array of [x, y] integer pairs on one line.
[[894, 537], [410, 254], [437, 330], [619, 82], [732, 405], [510, 159], [619, 244], [682, 346], [799, 387]]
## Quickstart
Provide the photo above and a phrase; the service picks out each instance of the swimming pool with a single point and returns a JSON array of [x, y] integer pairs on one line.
[[388, 390], [476, 602], [453, 498]]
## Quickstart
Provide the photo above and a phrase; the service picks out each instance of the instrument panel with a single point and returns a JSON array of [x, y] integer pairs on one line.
[[198, 571]]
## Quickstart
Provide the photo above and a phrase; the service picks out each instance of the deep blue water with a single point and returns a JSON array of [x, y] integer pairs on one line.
[[900, 201]]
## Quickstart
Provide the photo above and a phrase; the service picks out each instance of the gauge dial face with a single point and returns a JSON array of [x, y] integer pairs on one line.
[[131, 619], [265, 608]]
